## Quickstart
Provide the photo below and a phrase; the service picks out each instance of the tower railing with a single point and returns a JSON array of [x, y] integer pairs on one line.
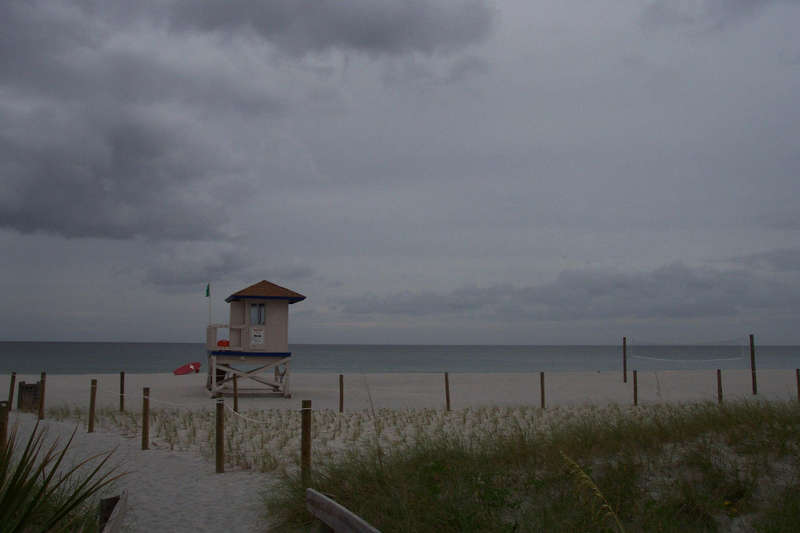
[[212, 336]]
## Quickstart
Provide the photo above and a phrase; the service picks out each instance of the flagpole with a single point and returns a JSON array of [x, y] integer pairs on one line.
[[209, 304]]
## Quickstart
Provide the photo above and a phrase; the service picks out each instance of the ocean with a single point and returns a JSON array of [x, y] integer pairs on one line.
[[144, 357]]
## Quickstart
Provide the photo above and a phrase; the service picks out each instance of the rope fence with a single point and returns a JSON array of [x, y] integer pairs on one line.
[[671, 360], [149, 397]]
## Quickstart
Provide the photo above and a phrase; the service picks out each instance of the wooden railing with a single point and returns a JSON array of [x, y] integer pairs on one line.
[[211, 336], [335, 517]]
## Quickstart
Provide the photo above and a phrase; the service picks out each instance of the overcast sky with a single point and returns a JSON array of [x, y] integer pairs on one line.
[[424, 171]]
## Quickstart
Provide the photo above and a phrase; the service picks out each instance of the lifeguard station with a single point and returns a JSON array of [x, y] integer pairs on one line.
[[258, 339]]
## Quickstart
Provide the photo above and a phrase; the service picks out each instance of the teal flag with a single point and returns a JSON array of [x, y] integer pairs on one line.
[[208, 290]]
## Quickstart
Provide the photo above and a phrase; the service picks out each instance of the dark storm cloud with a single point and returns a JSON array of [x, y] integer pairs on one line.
[[102, 139], [87, 173], [711, 14], [372, 26], [70, 55], [114, 127], [672, 291]]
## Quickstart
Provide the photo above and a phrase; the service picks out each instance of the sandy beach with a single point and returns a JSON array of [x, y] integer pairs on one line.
[[394, 390], [178, 490]]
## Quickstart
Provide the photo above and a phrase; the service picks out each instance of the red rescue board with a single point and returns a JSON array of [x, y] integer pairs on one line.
[[188, 368]]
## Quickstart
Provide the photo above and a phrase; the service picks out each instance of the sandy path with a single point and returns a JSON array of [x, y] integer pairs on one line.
[[168, 491]]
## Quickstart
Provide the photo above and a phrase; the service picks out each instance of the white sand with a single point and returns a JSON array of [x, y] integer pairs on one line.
[[179, 491], [167, 491], [425, 390]]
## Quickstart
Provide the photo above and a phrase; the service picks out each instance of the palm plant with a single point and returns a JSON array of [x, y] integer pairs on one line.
[[36, 496]]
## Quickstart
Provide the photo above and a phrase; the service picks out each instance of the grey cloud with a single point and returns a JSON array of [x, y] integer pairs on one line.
[[114, 127], [106, 133], [463, 300], [465, 67], [115, 174], [190, 265], [412, 71], [278, 271], [672, 291], [781, 220], [380, 27], [565, 140], [181, 267], [790, 58], [70, 55], [703, 14], [409, 71], [292, 272], [783, 260]]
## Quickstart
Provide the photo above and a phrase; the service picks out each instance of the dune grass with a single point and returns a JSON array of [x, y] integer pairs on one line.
[[689, 467], [694, 467]]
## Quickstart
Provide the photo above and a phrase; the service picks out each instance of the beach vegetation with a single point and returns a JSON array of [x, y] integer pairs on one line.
[[656, 467], [38, 492], [690, 467]]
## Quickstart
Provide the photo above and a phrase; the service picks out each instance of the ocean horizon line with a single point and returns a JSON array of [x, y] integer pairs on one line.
[[545, 345]]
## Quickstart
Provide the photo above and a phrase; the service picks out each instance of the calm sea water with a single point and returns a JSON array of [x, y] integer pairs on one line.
[[111, 357]]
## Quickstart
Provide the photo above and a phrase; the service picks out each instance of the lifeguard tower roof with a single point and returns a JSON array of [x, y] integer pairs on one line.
[[266, 290]]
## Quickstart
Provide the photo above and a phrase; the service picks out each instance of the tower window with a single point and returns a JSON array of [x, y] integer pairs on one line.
[[257, 314]]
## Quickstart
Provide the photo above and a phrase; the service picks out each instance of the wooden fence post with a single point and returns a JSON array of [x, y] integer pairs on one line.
[[305, 442], [11, 390], [122, 392], [635, 389], [220, 434], [341, 393], [624, 359], [146, 418], [447, 391], [719, 385], [235, 394], [753, 363], [92, 398], [5, 407], [541, 389], [41, 395]]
